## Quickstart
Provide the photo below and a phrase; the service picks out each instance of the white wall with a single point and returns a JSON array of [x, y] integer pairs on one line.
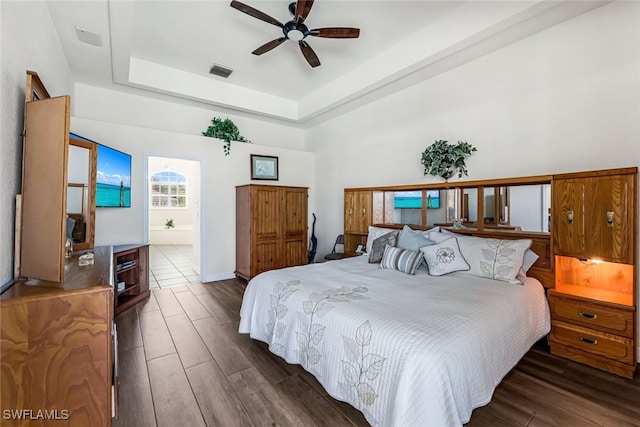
[[28, 41], [220, 175]]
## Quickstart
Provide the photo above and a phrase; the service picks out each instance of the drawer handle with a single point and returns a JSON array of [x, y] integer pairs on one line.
[[610, 218], [588, 315], [588, 340]]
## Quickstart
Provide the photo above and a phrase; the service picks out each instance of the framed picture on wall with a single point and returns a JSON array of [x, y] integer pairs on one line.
[[264, 167]]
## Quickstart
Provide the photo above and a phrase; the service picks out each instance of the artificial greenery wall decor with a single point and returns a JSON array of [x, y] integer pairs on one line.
[[225, 130], [443, 159]]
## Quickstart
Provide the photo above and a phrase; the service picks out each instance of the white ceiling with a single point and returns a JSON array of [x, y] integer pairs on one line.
[[169, 46]]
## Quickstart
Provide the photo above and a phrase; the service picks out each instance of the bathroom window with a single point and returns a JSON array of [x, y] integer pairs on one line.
[[168, 189]]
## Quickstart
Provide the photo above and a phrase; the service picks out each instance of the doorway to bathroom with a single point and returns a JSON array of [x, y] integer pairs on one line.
[[174, 221]]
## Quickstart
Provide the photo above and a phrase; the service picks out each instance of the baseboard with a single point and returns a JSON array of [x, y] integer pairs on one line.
[[218, 276]]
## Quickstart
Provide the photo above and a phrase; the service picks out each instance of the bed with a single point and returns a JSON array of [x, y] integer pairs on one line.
[[405, 350]]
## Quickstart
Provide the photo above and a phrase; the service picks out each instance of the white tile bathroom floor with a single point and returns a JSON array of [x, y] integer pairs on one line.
[[170, 265]]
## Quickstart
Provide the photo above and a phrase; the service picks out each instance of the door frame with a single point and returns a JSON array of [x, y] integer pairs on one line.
[[201, 211]]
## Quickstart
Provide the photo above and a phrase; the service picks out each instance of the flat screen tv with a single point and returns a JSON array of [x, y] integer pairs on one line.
[[413, 199], [113, 188]]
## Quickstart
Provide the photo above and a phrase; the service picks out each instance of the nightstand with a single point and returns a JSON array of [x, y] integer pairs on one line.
[[595, 236], [591, 330]]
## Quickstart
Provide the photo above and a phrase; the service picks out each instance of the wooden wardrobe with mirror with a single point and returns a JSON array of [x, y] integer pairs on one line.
[[58, 187]]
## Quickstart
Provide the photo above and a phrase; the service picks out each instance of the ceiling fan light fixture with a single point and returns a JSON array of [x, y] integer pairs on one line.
[[220, 71], [295, 35]]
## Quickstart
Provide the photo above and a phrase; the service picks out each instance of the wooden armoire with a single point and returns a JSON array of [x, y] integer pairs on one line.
[[271, 228]]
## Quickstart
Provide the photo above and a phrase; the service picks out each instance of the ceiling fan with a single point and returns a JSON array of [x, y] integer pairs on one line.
[[296, 30]]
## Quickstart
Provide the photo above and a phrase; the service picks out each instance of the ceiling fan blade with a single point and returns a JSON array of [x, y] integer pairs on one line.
[[255, 13], [309, 54], [336, 32], [268, 46], [303, 7]]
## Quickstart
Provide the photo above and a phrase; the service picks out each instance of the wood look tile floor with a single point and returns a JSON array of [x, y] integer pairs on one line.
[[183, 363]]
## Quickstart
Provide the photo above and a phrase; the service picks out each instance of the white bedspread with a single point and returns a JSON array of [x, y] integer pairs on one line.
[[405, 350]]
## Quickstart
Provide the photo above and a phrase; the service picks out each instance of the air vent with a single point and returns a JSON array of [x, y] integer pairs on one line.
[[88, 37], [219, 70]]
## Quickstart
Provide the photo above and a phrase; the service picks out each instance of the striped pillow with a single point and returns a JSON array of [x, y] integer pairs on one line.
[[403, 260]]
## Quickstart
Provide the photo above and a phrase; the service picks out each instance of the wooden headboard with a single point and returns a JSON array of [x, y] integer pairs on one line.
[[541, 245]]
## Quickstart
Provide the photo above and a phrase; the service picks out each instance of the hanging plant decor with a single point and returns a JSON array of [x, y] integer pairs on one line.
[[444, 159], [225, 130]]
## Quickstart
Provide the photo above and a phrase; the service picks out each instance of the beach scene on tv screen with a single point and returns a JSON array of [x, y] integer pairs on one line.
[[113, 188], [413, 199]]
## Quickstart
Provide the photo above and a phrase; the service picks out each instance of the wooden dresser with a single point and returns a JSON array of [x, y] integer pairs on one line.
[[271, 228], [594, 303], [56, 347]]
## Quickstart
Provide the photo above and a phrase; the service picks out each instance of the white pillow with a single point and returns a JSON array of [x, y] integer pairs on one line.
[[437, 236], [529, 259], [498, 259], [412, 240], [374, 233], [444, 257], [435, 229]]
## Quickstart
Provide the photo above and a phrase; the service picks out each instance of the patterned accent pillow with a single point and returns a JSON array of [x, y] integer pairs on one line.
[[444, 257], [496, 259], [377, 248], [409, 239], [374, 233], [403, 260]]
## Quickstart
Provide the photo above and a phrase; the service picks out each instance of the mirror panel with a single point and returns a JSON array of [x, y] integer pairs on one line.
[[81, 193], [441, 206], [469, 204], [489, 205], [407, 207], [517, 207], [496, 206], [528, 207], [75, 198]]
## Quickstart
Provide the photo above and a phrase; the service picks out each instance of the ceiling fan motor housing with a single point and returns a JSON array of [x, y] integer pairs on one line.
[[292, 8]]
